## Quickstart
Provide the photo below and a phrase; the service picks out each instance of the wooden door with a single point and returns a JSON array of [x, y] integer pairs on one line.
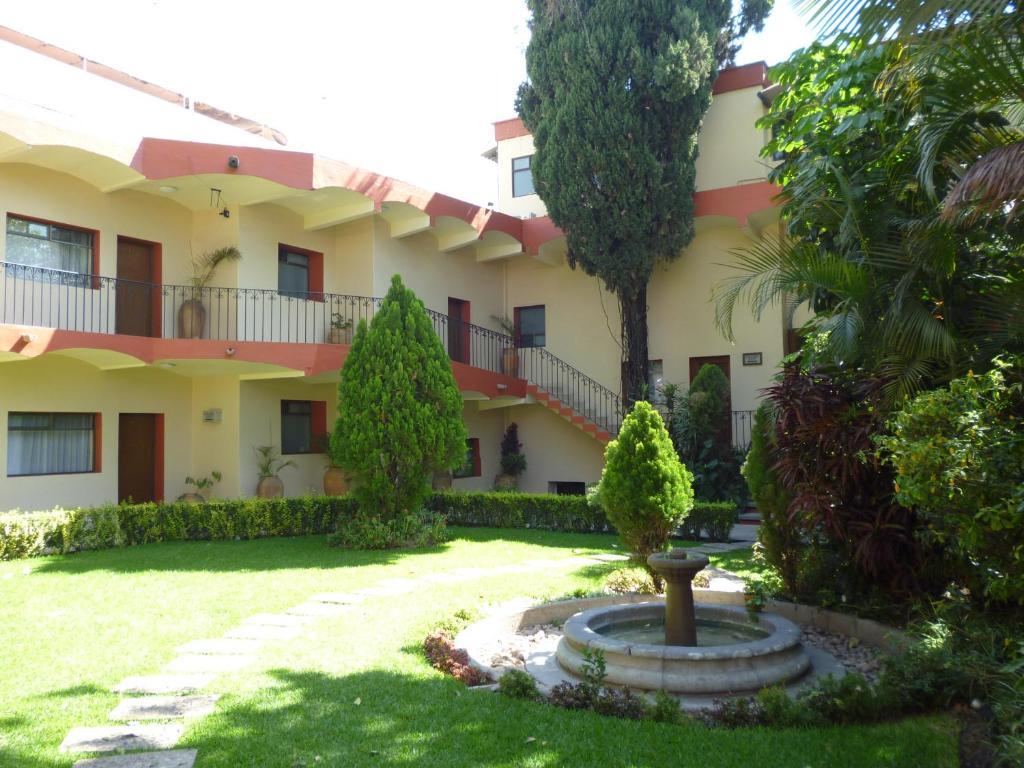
[[135, 288], [139, 457], [458, 330], [722, 361]]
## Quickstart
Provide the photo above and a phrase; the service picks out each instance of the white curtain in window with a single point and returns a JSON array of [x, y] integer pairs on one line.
[[50, 254], [64, 448]]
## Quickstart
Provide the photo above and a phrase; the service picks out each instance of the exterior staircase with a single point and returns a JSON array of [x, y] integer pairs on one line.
[[567, 412]]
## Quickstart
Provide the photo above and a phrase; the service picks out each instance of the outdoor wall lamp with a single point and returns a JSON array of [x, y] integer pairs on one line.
[[230, 351], [233, 161]]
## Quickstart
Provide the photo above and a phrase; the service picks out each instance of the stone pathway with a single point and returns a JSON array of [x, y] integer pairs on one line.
[[173, 697]]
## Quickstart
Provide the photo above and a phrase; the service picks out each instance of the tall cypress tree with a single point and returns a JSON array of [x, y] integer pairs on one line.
[[616, 94], [399, 409]]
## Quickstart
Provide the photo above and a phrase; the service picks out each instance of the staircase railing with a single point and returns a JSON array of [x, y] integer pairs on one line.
[[53, 298]]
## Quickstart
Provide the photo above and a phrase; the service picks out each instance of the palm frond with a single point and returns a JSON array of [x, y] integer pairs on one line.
[[993, 183]]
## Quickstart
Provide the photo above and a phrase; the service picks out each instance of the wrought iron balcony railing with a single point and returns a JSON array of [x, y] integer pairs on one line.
[[95, 304]]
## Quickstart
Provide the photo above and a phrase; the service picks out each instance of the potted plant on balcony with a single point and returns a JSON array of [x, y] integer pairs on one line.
[[341, 330], [201, 485], [513, 461], [510, 353], [192, 312], [336, 482], [268, 464]]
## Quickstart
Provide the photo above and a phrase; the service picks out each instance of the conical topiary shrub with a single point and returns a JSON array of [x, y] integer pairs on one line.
[[399, 410], [645, 491]]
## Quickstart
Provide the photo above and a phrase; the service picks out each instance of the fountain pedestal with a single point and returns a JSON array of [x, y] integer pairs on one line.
[[678, 568]]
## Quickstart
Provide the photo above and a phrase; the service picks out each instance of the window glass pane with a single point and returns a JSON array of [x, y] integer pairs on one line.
[[655, 381], [293, 274], [50, 247], [522, 177], [49, 444], [530, 328], [296, 426], [468, 468]]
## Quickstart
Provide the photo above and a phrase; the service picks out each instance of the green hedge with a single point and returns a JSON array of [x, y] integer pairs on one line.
[[714, 518], [510, 509], [30, 534]]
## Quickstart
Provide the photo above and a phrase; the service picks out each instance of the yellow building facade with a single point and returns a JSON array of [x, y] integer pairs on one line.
[[119, 377]]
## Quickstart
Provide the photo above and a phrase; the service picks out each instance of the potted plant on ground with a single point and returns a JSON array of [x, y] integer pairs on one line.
[[513, 461], [192, 312], [202, 485], [340, 330], [268, 464], [336, 482], [510, 353]]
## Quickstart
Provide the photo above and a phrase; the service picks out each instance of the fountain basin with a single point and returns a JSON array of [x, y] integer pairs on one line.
[[775, 658]]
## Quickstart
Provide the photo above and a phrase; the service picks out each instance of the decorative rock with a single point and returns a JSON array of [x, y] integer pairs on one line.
[[163, 707], [163, 684], [341, 598], [223, 645], [263, 632], [176, 758], [317, 610], [278, 620], [195, 662], [121, 738]]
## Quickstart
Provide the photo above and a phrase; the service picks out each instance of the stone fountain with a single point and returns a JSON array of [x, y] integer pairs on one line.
[[682, 648]]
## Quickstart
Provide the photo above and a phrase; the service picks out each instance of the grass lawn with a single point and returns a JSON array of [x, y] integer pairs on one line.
[[72, 627]]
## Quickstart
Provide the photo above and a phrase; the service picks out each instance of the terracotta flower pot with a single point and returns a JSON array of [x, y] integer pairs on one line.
[[510, 361], [192, 498], [191, 319], [506, 482], [335, 482], [270, 487], [339, 335]]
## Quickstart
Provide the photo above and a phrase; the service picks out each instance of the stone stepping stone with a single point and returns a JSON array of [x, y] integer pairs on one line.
[[383, 591], [608, 558], [222, 646], [263, 632], [317, 609], [195, 662], [278, 620], [443, 578], [121, 738], [175, 758], [341, 598], [407, 585], [163, 684], [163, 707]]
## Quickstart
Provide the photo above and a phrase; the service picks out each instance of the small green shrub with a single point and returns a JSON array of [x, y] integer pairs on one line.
[[513, 461], [666, 709], [517, 684], [713, 519], [423, 529], [958, 453], [628, 581], [778, 708], [644, 489]]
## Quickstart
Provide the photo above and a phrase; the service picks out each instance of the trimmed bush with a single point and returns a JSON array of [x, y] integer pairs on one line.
[[645, 490], [508, 509], [400, 415], [31, 534], [958, 454], [713, 519]]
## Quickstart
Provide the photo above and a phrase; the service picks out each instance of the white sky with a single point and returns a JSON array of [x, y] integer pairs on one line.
[[406, 88]]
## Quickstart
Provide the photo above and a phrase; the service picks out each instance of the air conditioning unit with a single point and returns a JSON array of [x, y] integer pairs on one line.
[[213, 416]]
